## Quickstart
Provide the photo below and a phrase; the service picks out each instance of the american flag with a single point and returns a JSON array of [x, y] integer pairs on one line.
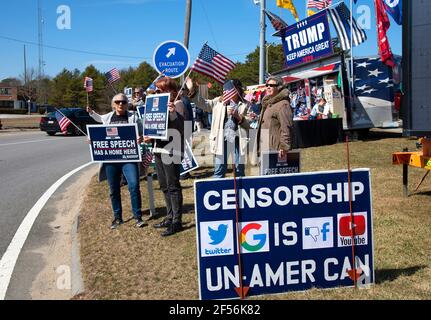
[[88, 84], [213, 64], [373, 79], [112, 131], [113, 75], [276, 21], [147, 159], [318, 4], [375, 87], [63, 121], [340, 16], [229, 91]]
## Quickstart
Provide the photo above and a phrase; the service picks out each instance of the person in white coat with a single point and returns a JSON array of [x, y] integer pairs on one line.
[[229, 128], [113, 171]]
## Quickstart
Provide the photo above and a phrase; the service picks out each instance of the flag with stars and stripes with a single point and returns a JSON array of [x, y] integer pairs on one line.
[[113, 75], [318, 4], [373, 80], [340, 16], [276, 21], [213, 64], [63, 121], [88, 84], [229, 91]]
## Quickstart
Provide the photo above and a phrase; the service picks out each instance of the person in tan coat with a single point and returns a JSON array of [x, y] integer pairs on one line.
[[225, 113], [275, 128]]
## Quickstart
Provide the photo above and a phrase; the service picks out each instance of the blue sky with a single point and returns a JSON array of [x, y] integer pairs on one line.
[[134, 28]]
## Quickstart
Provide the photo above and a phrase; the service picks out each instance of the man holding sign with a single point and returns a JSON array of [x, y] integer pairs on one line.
[[112, 171]]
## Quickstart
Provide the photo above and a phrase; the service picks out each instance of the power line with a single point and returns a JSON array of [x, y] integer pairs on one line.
[[72, 50], [209, 24], [95, 53]]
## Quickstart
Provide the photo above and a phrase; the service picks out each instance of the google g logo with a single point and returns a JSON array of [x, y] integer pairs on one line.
[[254, 236]]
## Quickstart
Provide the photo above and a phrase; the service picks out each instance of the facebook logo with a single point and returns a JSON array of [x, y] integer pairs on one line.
[[325, 230], [317, 233]]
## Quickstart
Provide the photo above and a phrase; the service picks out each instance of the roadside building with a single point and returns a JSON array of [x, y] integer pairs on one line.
[[10, 98]]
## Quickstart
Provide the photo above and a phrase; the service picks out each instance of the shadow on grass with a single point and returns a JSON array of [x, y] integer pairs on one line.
[[161, 212], [207, 173], [420, 193], [390, 275]]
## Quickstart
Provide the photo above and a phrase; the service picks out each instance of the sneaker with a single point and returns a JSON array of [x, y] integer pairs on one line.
[[164, 224], [172, 229], [116, 223], [140, 223]]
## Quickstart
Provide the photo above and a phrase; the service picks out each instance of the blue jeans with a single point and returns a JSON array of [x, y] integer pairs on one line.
[[220, 162], [210, 119], [131, 173]]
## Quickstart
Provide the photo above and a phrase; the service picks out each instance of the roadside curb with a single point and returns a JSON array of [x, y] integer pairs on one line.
[[76, 275]]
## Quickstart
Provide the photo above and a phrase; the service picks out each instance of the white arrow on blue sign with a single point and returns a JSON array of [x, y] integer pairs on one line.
[[171, 58]]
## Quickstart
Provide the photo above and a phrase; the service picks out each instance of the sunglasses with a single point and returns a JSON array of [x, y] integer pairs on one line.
[[121, 101], [137, 92], [271, 85]]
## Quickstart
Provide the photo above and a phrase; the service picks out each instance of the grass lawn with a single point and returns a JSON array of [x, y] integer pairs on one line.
[[131, 263]]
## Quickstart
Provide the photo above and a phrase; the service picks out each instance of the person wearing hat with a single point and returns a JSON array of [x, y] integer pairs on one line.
[[229, 125]]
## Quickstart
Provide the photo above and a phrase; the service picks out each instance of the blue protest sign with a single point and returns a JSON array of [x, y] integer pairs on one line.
[[171, 58], [189, 162], [295, 233], [114, 143], [271, 163], [307, 40], [156, 116], [141, 111]]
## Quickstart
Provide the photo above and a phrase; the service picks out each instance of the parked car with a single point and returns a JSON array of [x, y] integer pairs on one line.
[[78, 116]]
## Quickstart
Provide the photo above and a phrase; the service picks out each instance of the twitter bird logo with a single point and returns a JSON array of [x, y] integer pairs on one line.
[[217, 236]]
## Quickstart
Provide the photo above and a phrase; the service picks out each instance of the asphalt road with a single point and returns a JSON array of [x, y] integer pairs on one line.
[[30, 162]]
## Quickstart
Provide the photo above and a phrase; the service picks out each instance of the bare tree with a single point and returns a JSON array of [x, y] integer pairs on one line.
[[29, 89]]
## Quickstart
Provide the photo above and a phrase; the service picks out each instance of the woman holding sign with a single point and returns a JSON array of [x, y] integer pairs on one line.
[[113, 171], [168, 155]]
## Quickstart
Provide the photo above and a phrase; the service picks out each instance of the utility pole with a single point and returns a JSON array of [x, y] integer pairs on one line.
[[262, 42], [25, 82], [40, 23], [187, 27]]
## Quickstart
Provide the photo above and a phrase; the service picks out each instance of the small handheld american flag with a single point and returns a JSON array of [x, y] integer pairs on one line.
[[212, 64], [63, 121], [88, 84], [229, 91], [113, 75]]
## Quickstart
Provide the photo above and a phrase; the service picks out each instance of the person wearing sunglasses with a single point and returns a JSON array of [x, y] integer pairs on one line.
[[138, 98], [168, 155], [113, 171], [275, 127]]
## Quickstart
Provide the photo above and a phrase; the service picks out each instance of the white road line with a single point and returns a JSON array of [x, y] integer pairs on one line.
[[32, 141], [8, 261]]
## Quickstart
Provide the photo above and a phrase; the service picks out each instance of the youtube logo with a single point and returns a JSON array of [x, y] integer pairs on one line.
[[357, 227], [346, 226]]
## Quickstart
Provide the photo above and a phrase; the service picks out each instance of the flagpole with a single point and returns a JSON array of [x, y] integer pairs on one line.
[[352, 76], [185, 79], [113, 87], [262, 42], [71, 122]]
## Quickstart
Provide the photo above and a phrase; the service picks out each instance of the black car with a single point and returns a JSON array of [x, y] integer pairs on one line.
[[78, 116]]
